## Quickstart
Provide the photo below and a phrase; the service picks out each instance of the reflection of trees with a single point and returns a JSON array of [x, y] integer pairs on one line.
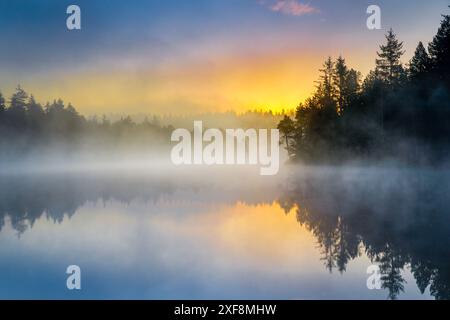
[[24, 199], [337, 244], [391, 265], [348, 246], [433, 268], [399, 219]]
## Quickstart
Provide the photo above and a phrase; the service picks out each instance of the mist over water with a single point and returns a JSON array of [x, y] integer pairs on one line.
[[208, 232], [363, 179]]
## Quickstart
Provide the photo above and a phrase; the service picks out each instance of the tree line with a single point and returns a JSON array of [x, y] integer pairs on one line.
[[398, 110], [28, 127]]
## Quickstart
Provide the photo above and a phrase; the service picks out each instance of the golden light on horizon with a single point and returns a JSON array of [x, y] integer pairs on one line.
[[234, 84]]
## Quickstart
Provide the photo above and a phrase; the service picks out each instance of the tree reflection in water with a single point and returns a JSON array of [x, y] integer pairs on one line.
[[398, 218]]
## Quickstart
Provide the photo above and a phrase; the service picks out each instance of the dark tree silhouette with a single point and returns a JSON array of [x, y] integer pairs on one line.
[[439, 50], [2, 103], [396, 112], [388, 65], [420, 63], [27, 129], [287, 131]]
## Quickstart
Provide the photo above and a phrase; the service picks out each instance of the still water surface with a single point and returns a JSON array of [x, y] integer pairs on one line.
[[308, 233]]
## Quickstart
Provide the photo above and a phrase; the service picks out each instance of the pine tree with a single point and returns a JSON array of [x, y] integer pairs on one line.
[[33, 107], [420, 63], [439, 50], [19, 100], [287, 130], [16, 112], [2, 103], [352, 86], [339, 81], [346, 84], [325, 87], [35, 113], [2, 113], [389, 67]]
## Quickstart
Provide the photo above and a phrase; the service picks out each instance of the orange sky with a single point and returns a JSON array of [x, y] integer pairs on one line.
[[207, 56], [236, 84]]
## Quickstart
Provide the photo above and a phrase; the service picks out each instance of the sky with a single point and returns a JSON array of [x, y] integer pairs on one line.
[[196, 56]]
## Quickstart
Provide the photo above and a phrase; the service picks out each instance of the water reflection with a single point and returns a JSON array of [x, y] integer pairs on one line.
[[25, 198], [397, 219], [400, 218]]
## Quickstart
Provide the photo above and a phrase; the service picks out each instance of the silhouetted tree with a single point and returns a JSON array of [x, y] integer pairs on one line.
[[439, 50], [287, 130], [16, 113], [325, 88], [395, 113], [2, 103], [35, 114], [340, 82], [420, 63], [388, 65]]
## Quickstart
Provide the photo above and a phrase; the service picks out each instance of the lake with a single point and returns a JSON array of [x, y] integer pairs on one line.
[[307, 233]]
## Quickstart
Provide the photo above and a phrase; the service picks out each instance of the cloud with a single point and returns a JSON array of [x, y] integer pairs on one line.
[[290, 7]]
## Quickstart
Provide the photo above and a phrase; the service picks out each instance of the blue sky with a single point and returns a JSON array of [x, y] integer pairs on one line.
[[162, 47]]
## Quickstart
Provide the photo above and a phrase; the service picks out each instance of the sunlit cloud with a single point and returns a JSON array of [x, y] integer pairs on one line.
[[290, 7]]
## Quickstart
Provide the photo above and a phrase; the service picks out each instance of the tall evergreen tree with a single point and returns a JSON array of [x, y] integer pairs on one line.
[[33, 107], [339, 81], [287, 130], [420, 63], [2, 111], [325, 86], [346, 85], [16, 112], [19, 100], [35, 113], [352, 86], [389, 67], [2, 103], [439, 50]]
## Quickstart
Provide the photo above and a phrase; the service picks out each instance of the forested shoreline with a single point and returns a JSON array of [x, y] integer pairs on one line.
[[28, 128], [399, 111]]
